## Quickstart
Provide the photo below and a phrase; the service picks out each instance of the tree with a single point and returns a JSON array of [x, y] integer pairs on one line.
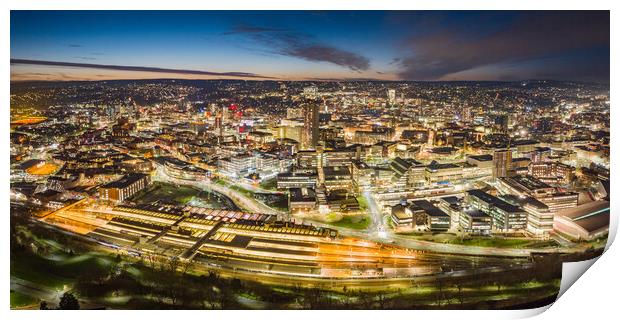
[[459, 287], [68, 302]]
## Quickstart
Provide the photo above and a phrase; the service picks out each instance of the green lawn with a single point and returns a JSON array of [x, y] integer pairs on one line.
[[488, 242], [495, 242], [246, 192], [38, 270], [20, 300], [270, 184], [363, 203], [359, 222], [239, 189], [57, 273], [179, 195], [167, 193]]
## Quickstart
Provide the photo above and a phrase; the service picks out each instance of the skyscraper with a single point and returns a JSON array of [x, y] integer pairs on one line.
[[391, 95], [311, 92], [310, 136]]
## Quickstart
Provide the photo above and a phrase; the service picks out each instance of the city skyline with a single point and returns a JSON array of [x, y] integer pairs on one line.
[[249, 160], [304, 45]]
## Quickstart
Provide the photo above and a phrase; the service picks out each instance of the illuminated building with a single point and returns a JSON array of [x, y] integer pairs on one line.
[[524, 186], [443, 173], [552, 172], [475, 221], [181, 170], [311, 92], [406, 173], [506, 217], [301, 200], [391, 97], [310, 136], [558, 201], [124, 188], [339, 157], [420, 215], [401, 216], [539, 218], [502, 161], [453, 207], [237, 166], [337, 178], [307, 159], [361, 174], [584, 222], [297, 179]]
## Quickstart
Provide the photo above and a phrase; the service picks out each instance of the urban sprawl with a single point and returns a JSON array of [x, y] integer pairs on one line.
[[367, 183]]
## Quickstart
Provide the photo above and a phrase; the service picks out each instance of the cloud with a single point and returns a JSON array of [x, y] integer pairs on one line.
[[359, 79], [136, 68], [529, 36], [73, 45], [325, 53], [298, 45]]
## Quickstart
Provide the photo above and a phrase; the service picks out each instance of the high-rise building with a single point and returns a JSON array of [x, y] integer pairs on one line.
[[466, 114], [311, 92], [391, 95], [310, 136], [112, 112], [219, 126], [502, 161]]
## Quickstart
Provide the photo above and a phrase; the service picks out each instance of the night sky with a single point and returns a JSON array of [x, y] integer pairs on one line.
[[308, 45]]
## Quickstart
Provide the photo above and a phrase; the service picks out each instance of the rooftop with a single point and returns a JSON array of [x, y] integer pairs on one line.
[[591, 216], [429, 208], [482, 157], [494, 201], [125, 181]]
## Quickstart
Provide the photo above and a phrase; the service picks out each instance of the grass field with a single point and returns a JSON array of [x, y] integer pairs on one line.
[[179, 195], [20, 300], [488, 242], [167, 193], [363, 203], [497, 243], [270, 184], [57, 273], [244, 191], [358, 222]]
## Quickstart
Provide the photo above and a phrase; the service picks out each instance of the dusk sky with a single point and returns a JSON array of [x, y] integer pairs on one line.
[[300, 45]]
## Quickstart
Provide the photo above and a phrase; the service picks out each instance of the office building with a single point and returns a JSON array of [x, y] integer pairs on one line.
[[506, 217], [124, 188]]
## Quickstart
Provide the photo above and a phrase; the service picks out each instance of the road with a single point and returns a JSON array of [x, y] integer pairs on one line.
[[42, 293], [377, 222], [242, 201]]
